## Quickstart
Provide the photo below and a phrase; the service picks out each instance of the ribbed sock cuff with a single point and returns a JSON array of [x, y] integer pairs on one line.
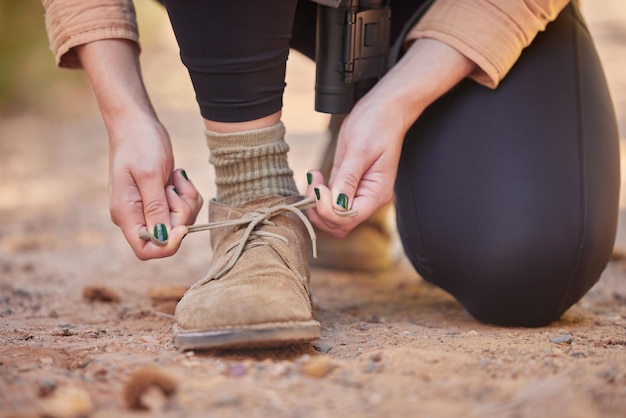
[[251, 164]]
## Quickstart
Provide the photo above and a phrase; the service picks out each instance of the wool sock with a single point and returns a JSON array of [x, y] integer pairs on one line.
[[251, 164]]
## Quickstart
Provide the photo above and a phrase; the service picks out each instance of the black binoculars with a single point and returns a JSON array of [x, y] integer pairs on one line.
[[351, 52]]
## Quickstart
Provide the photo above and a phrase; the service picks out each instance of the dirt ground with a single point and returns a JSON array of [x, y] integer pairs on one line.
[[391, 344]]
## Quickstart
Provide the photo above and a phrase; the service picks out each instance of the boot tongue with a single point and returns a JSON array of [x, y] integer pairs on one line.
[[234, 237]]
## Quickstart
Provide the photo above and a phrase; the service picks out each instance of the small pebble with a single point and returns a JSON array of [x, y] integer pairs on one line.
[[167, 307], [101, 374], [66, 402], [318, 366], [562, 339], [100, 294], [143, 381], [46, 387], [237, 370], [149, 340], [64, 331], [18, 291], [370, 368], [322, 347], [166, 293]]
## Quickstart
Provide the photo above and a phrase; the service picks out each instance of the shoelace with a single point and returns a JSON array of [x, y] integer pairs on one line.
[[253, 219]]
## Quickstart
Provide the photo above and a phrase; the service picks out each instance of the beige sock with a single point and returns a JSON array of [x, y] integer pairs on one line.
[[251, 164]]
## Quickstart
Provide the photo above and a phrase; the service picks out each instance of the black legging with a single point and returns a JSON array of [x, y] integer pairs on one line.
[[505, 198], [508, 199], [236, 50]]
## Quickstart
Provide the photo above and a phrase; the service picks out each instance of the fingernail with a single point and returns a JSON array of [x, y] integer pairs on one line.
[[175, 191], [309, 178], [184, 173], [317, 193], [342, 200], [160, 232]]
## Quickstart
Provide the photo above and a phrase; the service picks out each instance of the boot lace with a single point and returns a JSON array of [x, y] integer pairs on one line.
[[249, 239]]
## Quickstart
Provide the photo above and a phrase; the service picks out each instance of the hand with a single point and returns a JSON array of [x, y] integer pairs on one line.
[[366, 161], [144, 192], [371, 137]]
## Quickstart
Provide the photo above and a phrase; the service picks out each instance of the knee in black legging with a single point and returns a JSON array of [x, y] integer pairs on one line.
[[508, 199], [522, 277]]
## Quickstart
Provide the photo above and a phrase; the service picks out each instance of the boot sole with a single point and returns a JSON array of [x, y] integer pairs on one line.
[[250, 336]]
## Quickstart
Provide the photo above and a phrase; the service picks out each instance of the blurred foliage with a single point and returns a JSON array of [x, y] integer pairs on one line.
[[29, 76], [27, 68]]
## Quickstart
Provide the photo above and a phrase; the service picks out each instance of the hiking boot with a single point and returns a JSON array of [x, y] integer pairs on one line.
[[374, 245], [256, 293]]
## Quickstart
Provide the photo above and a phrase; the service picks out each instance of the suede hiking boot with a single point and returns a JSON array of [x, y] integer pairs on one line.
[[256, 293], [374, 245]]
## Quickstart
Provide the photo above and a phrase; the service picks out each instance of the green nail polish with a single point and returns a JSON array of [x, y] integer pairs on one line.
[[309, 178], [160, 232], [317, 193], [175, 191], [184, 173], [342, 200]]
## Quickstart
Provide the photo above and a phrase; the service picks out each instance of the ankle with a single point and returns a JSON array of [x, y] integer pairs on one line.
[[250, 125], [251, 164]]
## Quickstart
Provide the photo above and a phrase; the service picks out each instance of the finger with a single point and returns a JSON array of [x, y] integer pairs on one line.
[[148, 249], [326, 216], [186, 190], [156, 208], [346, 176], [314, 178], [127, 210], [180, 211], [315, 182], [141, 207], [132, 224]]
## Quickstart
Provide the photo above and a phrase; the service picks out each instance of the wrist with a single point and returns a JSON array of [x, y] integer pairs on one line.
[[428, 69], [113, 70]]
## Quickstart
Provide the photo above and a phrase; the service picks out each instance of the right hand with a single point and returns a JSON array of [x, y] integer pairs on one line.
[[143, 186], [145, 191]]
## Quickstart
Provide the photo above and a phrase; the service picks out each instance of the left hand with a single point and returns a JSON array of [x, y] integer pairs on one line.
[[371, 137], [364, 169]]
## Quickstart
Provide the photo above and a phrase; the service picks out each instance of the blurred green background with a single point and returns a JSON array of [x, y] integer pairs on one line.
[[29, 78], [27, 69]]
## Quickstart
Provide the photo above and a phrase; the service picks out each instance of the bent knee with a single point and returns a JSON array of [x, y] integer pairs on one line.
[[528, 288]]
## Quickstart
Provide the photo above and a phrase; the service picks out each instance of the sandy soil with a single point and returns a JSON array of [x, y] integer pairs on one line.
[[391, 344]]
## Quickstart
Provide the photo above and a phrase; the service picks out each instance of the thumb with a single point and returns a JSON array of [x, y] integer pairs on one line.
[[345, 179]]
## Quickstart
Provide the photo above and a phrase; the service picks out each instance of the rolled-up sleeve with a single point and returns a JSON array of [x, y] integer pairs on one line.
[[70, 23], [492, 33]]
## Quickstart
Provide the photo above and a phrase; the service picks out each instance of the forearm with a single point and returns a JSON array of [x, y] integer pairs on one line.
[[428, 70], [112, 66]]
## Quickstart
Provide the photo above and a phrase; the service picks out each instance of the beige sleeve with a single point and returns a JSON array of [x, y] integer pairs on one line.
[[492, 33], [75, 22]]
